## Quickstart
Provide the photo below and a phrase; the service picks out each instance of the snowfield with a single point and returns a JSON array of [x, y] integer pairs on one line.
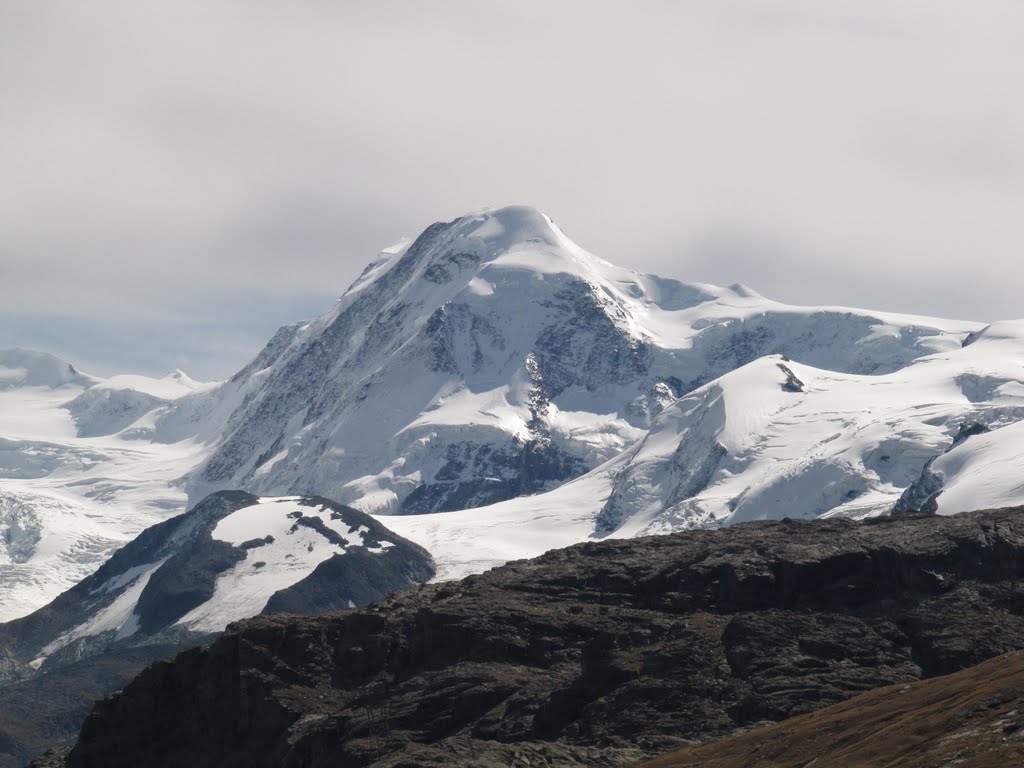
[[774, 439], [491, 391], [290, 556], [67, 501]]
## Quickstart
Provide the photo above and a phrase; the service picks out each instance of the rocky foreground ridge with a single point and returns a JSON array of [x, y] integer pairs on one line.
[[600, 654]]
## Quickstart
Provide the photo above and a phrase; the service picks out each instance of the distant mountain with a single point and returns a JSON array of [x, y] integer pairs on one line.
[[80, 473], [493, 358], [28, 368]]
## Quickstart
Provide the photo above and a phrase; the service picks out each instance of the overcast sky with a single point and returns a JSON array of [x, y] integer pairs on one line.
[[177, 179]]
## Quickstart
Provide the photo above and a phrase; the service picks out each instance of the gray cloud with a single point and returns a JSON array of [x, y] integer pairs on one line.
[[179, 178]]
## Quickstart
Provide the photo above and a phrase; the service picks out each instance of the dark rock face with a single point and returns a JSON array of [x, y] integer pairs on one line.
[[475, 475], [186, 580], [593, 655], [590, 350], [922, 494], [792, 383]]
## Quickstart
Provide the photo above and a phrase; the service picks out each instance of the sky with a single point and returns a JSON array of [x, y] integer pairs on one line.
[[180, 178]]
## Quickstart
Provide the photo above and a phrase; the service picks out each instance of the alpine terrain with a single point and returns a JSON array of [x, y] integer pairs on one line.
[[491, 390], [485, 393]]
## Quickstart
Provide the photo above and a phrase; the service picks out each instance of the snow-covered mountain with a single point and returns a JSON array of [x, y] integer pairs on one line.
[[491, 390], [79, 473], [775, 439], [232, 556], [493, 358], [29, 368]]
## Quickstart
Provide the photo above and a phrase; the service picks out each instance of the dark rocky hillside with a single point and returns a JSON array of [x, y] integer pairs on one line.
[[973, 718], [599, 654], [49, 709]]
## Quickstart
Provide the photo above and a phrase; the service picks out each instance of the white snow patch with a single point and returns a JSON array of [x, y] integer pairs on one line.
[[118, 617], [480, 287], [984, 472], [294, 553], [474, 540]]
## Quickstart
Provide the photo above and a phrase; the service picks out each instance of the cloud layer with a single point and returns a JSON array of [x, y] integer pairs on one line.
[[179, 178]]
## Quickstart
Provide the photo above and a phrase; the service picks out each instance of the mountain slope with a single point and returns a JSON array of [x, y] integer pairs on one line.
[[776, 437], [971, 718], [493, 358], [594, 655], [29, 368]]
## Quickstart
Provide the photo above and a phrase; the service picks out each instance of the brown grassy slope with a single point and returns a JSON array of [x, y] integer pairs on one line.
[[971, 719]]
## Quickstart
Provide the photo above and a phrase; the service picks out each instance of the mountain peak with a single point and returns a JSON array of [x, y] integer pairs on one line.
[[178, 376], [503, 228], [493, 357], [449, 257], [30, 368]]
